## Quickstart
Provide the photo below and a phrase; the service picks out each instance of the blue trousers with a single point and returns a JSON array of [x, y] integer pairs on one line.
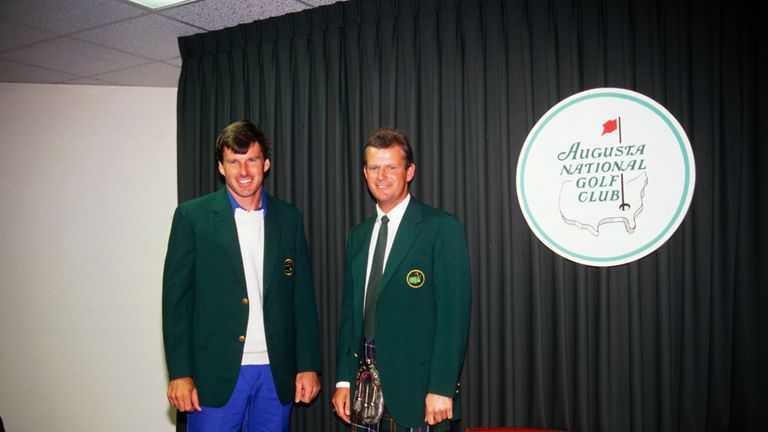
[[253, 406]]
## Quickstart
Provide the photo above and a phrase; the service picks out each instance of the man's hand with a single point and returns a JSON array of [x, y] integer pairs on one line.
[[182, 394], [341, 403], [438, 409], [307, 386]]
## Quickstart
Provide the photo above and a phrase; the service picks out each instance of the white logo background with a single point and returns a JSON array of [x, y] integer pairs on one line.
[[569, 172]]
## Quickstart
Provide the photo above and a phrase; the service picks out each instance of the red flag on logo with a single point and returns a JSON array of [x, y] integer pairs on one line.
[[609, 126]]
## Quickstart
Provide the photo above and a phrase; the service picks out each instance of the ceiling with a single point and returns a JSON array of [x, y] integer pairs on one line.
[[114, 42]]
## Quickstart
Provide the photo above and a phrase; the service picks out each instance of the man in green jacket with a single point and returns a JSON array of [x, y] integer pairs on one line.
[[406, 301], [239, 315]]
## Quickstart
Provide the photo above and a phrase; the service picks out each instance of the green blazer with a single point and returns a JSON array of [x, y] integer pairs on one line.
[[422, 323], [205, 301]]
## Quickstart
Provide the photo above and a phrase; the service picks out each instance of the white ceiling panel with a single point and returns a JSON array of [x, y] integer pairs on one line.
[[174, 61], [113, 41], [150, 36], [67, 16], [74, 57], [14, 35], [87, 81], [317, 3], [11, 71], [151, 75], [215, 15]]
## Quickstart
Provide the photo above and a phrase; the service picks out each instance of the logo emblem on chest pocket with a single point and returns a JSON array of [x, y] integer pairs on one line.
[[415, 278], [289, 267]]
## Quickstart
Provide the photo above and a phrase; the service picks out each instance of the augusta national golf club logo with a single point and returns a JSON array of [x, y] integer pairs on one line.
[[605, 177]]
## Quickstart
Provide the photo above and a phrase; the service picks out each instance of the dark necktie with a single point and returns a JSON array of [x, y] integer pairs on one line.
[[374, 280]]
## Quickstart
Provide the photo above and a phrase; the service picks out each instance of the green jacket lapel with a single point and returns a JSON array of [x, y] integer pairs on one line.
[[271, 244], [406, 233], [224, 220]]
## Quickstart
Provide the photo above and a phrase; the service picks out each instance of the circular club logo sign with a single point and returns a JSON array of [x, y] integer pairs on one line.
[[605, 177]]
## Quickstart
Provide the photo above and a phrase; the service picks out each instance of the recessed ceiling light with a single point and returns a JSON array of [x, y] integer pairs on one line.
[[161, 4]]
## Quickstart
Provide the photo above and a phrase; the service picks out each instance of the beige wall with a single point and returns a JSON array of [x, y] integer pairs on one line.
[[88, 184]]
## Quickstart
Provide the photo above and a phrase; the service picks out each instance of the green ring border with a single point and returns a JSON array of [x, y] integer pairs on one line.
[[675, 217]]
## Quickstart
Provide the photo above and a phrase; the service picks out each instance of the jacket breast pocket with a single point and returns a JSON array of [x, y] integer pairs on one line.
[[415, 275], [288, 264]]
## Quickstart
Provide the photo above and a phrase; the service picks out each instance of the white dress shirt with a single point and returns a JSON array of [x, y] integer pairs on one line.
[[250, 233]]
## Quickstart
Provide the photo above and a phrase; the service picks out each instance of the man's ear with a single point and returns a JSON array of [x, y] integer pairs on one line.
[[410, 172]]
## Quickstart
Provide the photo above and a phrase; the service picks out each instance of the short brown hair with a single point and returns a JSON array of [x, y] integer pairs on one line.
[[385, 138], [239, 136]]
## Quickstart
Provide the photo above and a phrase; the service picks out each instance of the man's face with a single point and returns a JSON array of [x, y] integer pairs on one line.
[[387, 175], [244, 173]]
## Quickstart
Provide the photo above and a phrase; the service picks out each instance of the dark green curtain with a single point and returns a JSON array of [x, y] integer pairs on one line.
[[677, 341]]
